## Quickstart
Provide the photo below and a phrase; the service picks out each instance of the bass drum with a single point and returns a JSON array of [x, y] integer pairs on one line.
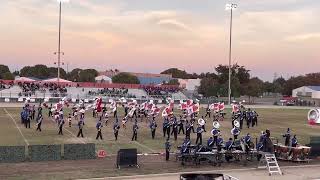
[[314, 116]]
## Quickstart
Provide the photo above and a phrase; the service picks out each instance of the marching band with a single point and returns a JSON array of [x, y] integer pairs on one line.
[[172, 126]]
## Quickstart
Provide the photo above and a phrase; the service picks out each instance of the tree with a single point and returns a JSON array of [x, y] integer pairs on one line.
[[7, 76], [208, 87], [74, 75], [177, 73], [125, 78], [254, 88], [5, 73], [88, 75]]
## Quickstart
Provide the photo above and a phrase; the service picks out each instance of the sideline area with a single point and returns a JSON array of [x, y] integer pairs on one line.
[[305, 172]]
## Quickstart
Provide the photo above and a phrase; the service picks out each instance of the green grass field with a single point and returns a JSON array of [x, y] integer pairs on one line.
[[277, 120]]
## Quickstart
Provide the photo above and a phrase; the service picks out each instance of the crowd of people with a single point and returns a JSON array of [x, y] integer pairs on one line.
[[112, 92], [158, 91], [29, 89]]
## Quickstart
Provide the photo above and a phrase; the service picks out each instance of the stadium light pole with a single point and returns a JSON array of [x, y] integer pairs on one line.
[[59, 41], [230, 7]]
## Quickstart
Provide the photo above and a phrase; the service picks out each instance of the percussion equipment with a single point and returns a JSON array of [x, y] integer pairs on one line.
[[236, 123], [201, 122], [216, 125], [299, 153], [314, 116]]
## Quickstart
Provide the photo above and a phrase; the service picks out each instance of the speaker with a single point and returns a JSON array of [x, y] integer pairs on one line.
[[127, 157], [201, 177]]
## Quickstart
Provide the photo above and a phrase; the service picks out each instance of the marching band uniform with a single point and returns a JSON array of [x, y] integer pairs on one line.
[[50, 111], [33, 112], [287, 136], [80, 125], [135, 131], [39, 111], [27, 122], [247, 140], [126, 108], [180, 124], [242, 117], [216, 133], [210, 143], [192, 124], [219, 143], [39, 122], [208, 112], [204, 126], [153, 126], [199, 135], [116, 128], [99, 126], [188, 130], [165, 125], [249, 118], [185, 145], [167, 146], [255, 118], [235, 132], [61, 123], [294, 141], [175, 129], [115, 112], [229, 145]]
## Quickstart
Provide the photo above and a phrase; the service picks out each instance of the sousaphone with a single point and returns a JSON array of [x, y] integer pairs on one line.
[[216, 124], [236, 123], [201, 122]]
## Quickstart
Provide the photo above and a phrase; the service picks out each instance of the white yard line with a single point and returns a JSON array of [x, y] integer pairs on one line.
[[82, 141], [24, 138]]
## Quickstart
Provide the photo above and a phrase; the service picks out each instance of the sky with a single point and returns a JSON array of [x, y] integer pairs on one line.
[[270, 37]]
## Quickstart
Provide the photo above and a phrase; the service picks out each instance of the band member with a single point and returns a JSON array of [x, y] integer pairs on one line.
[[80, 125], [219, 143], [153, 127], [75, 114], [115, 111], [27, 121], [60, 124], [247, 141], [99, 127], [180, 125], [175, 128], [255, 118], [215, 133], [192, 124], [287, 135], [210, 143], [39, 111], [116, 128], [50, 111], [126, 108], [229, 145], [203, 126], [208, 112], [185, 145], [135, 131], [249, 118], [94, 112], [188, 129], [39, 122], [199, 134], [294, 141], [168, 147], [69, 120], [242, 117], [235, 132], [165, 126]]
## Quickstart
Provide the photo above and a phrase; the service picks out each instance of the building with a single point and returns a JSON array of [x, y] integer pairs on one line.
[[312, 92], [103, 79], [144, 78], [149, 78]]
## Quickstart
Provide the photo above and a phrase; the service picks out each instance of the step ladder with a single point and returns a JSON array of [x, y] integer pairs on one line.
[[270, 162]]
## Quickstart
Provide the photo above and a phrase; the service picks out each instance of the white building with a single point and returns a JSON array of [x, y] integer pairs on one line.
[[307, 91], [189, 84], [103, 78]]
